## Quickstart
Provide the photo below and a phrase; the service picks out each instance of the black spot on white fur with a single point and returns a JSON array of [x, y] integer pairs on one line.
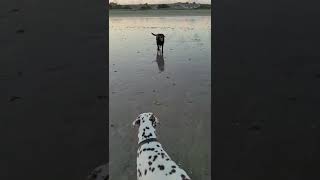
[[154, 158], [161, 167]]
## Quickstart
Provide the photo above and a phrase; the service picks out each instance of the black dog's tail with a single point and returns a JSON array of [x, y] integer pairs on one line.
[[154, 34]]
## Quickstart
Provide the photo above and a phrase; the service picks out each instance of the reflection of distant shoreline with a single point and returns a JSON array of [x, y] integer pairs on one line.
[[198, 12]]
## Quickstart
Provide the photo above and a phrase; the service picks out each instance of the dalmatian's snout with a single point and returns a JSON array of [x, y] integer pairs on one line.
[[136, 122], [156, 120]]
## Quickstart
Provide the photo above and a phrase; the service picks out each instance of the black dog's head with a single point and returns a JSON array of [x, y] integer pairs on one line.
[[159, 37]]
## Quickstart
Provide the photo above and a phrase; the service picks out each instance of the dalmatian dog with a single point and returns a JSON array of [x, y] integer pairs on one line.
[[153, 163]]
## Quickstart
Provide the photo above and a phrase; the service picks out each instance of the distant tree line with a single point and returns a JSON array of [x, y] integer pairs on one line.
[[161, 6], [204, 6], [113, 5], [146, 6]]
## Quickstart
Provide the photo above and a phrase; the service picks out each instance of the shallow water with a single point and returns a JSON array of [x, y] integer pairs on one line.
[[175, 87]]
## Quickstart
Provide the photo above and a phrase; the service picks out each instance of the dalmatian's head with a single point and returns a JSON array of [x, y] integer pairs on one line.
[[146, 119]]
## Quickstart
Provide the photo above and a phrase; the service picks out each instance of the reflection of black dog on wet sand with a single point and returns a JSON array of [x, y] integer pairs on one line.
[[160, 40], [160, 61]]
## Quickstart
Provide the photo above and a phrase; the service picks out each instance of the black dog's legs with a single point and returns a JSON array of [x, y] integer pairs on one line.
[[162, 49], [158, 47]]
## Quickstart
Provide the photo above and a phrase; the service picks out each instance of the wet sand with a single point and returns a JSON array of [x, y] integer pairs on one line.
[[175, 86], [53, 87]]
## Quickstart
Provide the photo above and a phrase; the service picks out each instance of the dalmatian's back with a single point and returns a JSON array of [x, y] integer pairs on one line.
[[153, 163]]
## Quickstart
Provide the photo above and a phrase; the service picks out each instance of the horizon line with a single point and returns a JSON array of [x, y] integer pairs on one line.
[[157, 3]]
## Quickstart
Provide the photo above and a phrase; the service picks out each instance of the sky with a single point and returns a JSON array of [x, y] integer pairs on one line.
[[157, 1]]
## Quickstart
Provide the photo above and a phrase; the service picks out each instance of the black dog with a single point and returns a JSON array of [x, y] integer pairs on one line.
[[160, 40]]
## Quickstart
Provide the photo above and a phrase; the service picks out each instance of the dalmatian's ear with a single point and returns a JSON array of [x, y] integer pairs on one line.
[[154, 120], [136, 122]]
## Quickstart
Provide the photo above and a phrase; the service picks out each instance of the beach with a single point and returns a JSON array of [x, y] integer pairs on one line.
[[54, 92], [176, 87]]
